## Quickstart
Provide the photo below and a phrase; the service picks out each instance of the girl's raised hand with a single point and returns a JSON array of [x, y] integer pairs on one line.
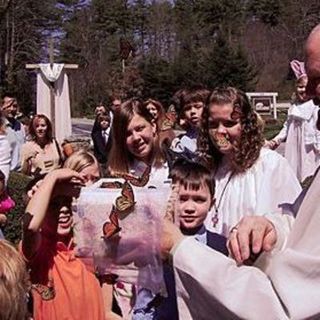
[[66, 175], [67, 182]]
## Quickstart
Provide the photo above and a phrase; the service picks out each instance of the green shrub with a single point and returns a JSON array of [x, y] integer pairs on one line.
[[16, 185]]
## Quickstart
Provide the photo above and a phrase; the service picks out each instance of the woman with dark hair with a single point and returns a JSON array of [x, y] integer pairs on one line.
[[250, 180], [136, 151], [156, 109], [42, 153], [165, 131]]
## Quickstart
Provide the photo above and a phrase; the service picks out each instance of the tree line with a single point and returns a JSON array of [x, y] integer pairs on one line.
[[165, 45]]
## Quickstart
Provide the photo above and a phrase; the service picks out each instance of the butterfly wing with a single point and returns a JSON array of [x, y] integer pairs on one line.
[[111, 228], [130, 178], [171, 116], [166, 125], [221, 140], [111, 185], [47, 292], [109, 278], [125, 203], [136, 181], [127, 192], [145, 177]]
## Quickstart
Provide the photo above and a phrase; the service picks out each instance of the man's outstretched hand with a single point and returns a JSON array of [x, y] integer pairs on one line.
[[252, 235]]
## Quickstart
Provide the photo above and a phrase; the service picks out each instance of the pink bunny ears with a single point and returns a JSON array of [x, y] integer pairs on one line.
[[298, 68]]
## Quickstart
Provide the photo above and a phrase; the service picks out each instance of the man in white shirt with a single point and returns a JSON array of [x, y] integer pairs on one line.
[[14, 129], [211, 286]]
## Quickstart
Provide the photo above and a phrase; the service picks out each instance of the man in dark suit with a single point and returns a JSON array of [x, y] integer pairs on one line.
[[102, 141]]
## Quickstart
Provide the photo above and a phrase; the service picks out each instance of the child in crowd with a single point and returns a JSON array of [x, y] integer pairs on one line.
[[100, 109], [136, 150], [195, 198], [14, 283], [63, 287], [189, 109], [6, 203], [102, 139], [42, 153], [136, 145], [302, 138], [164, 127]]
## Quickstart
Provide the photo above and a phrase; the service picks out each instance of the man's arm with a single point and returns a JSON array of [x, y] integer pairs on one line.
[[209, 283]]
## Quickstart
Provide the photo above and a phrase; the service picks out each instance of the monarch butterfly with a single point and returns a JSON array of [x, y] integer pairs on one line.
[[111, 228], [221, 140], [136, 181], [170, 120], [125, 203], [111, 185], [47, 292], [109, 278]]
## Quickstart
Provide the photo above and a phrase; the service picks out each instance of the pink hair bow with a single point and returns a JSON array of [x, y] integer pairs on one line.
[[298, 68]]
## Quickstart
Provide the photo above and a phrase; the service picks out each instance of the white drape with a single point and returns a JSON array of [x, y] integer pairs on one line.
[[62, 98]]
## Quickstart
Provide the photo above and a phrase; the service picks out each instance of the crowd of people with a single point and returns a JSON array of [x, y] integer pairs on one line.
[[245, 243]]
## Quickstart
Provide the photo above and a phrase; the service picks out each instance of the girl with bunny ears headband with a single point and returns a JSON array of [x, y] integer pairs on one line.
[[299, 71], [299, 131]]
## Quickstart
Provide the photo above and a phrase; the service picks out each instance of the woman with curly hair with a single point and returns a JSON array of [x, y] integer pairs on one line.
[[250, 180]]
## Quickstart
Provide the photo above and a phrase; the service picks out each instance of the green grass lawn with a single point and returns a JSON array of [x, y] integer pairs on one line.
[[17, 184], [272, 126]]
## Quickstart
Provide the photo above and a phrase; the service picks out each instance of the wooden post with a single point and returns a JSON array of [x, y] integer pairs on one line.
[[274, 102], [52, 95]]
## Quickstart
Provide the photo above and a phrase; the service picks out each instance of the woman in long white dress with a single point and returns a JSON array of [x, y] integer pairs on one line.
[[299, 131], [250, 180]]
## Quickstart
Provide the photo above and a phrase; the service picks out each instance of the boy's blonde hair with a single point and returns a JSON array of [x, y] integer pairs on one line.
[[14, 283]]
